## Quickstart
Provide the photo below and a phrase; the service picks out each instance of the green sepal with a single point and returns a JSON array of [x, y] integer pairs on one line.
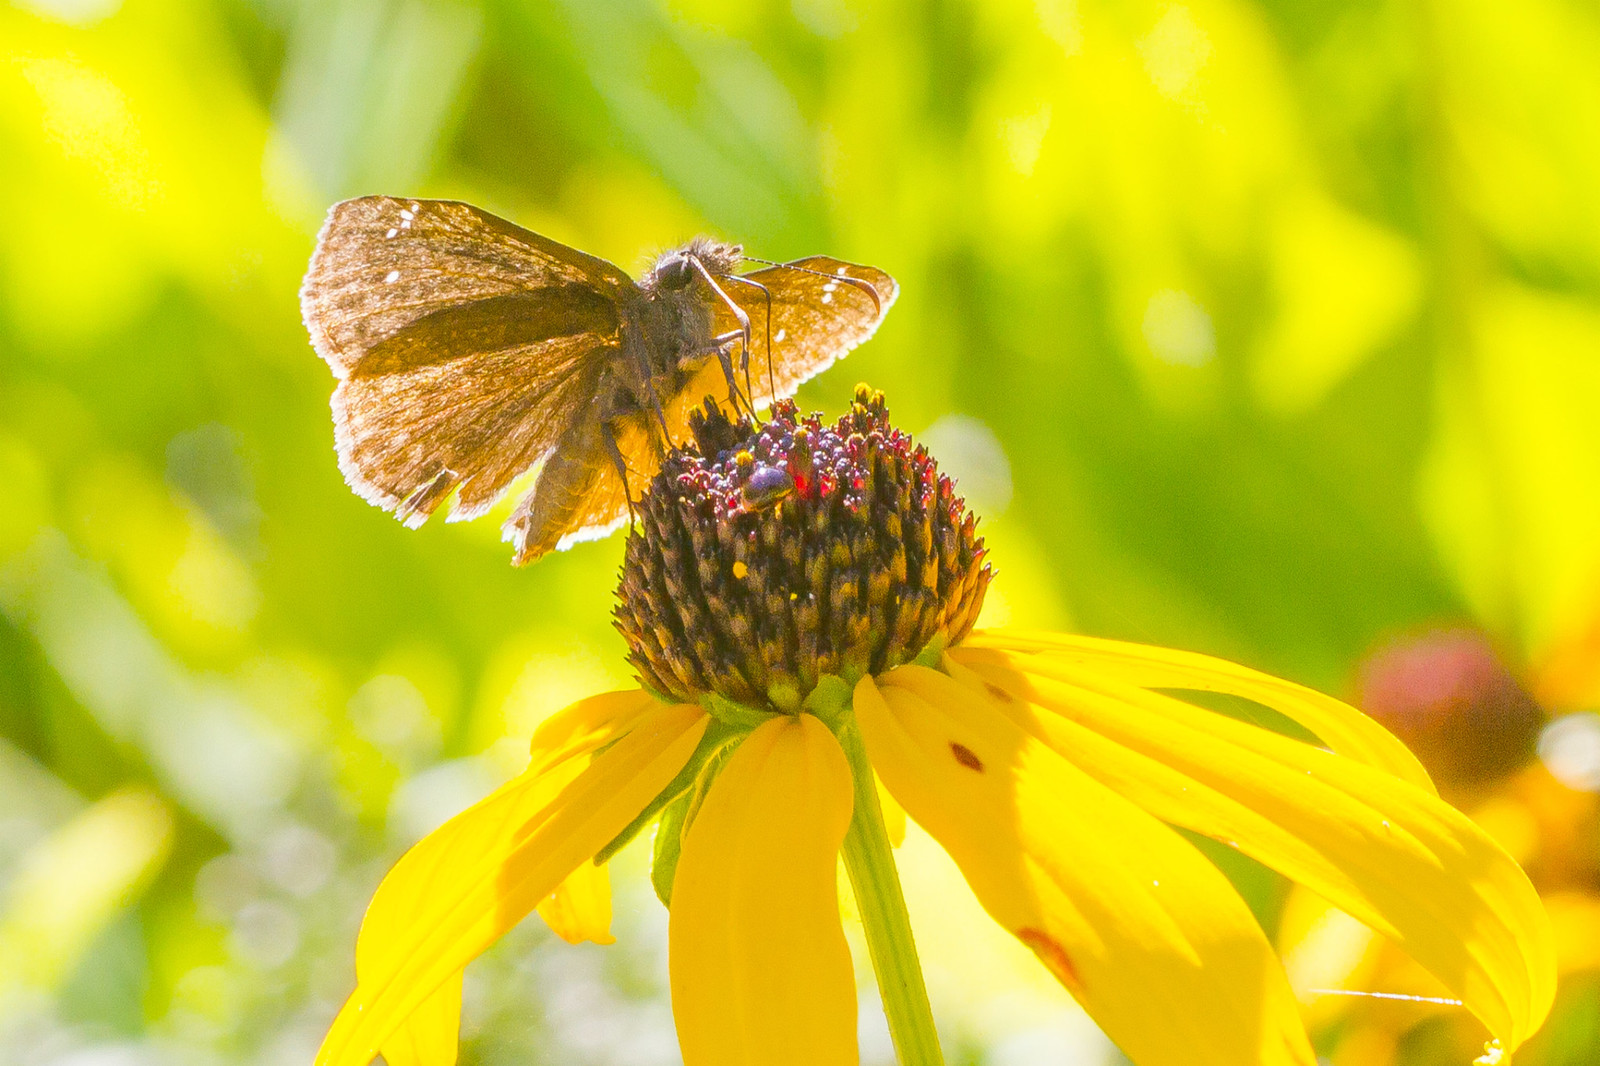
[[656, 694], [669, 845], [737, 715], [932, 653], [718, 736], [784, 694], [678, 817], [830, 700]]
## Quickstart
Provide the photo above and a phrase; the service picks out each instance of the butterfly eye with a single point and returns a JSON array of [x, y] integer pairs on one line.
[[675, 273]]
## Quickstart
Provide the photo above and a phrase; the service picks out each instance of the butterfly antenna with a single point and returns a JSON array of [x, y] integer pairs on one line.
[[766, 295], [861, 283]]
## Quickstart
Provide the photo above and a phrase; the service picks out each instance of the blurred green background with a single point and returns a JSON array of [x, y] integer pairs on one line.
[[1270, 329]]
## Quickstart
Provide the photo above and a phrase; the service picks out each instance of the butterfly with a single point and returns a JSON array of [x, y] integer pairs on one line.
[[469, 351]]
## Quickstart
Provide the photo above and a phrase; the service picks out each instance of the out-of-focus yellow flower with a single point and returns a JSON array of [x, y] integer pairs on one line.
[[1053, 769], [1475, 727]]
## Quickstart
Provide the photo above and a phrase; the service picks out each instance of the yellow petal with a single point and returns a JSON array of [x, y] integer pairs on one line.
[[587, 724], [761, 974], [431, 1035], [580, 907], [1386, 852], [424, 1035], [894, 816], [1138, 926], [475, 877], [1340, 726]]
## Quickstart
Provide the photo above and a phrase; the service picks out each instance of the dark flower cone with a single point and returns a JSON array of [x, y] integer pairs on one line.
[[766, 556]]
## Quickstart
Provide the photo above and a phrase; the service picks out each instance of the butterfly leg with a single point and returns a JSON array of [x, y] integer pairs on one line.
[[661, 415], [722, 345], [742, 334], [609, 437], [744, 363]]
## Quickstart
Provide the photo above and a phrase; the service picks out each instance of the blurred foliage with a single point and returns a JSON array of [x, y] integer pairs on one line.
[[1265, 328]]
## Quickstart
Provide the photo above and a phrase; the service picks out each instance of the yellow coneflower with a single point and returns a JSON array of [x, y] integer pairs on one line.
[[1466, 715], [798, 599]]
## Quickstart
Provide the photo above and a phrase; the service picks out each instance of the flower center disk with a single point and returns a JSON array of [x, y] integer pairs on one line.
[[766, 556]]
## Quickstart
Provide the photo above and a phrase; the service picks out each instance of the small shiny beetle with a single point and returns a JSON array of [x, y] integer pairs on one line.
[[766, 487]]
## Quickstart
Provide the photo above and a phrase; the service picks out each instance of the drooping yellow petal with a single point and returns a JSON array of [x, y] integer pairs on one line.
[[587, 724], [1340, 726], [464, 885], [431, 1035], [761, 973], [1138, 926], [580, 907], [1389, 854]]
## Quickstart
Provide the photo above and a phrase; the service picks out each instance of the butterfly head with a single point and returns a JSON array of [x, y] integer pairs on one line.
[[675, 270]]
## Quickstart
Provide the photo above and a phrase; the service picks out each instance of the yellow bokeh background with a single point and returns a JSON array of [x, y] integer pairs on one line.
[[1265, 328]]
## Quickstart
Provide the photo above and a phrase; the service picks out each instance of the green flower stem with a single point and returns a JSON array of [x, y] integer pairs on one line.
[[869, 860]]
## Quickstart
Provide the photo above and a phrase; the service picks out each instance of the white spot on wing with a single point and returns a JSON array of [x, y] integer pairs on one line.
[[392, 233], [391, 277], [407, 214], [778, 336], [827, 297], [840, 271]]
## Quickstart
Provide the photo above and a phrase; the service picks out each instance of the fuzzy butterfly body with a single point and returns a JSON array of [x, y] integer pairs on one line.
[[470, 350]]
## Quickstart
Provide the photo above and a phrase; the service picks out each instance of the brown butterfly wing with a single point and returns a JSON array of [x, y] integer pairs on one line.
[[471, 424], [467, 346], [818, 313], [581, 495]]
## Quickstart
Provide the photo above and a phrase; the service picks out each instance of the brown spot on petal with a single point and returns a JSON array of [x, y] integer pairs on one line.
[[966, 756], [999, 693], [1052, 954]]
